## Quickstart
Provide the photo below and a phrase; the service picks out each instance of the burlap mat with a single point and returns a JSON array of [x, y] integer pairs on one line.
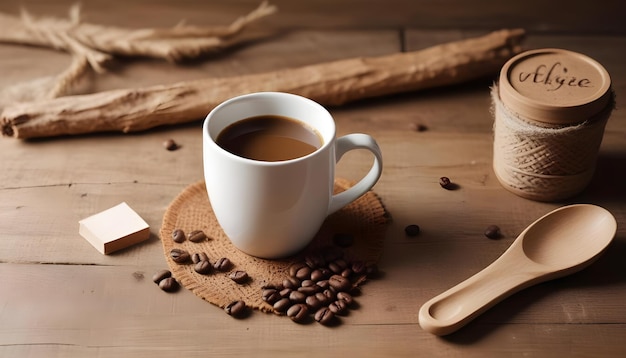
[[365, 219]]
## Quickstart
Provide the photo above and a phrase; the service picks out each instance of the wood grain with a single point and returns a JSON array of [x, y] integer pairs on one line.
[[60, 297]]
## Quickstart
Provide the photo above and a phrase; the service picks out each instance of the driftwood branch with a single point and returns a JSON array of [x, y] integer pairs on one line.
[[331, 83], [92, 46]]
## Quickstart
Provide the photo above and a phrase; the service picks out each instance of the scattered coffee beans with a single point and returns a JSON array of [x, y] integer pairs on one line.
[[412, 230], [161, 275], [178, 236], [236, 308], [170, 145], [197, 236], [168, 284], [199, 256], [493, 232], [222, 264], [321, 284], [203, 267], [298, 312], [338, 307], [339, 283], [324, 316], [179, 255], [445, 183], [239, 276]]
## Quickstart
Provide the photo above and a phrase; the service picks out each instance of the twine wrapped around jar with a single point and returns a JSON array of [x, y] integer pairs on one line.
[[545, 162]]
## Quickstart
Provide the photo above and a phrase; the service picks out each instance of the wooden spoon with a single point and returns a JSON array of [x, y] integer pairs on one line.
[[560, 243]]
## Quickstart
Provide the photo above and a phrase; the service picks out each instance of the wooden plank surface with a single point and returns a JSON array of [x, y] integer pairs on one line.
[[60, 297]]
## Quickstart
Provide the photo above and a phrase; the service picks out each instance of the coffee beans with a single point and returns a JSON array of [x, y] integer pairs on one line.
[[235, 308], [239, 276], [412, 230], [318, 287], [178, 236], [179, 255], [160, 275], [170, 145], [164, 279], [197, 236], [324, 316], [445, 182], [203, 267], [298, 312], [493, 232], [339, 283], [222, 264]]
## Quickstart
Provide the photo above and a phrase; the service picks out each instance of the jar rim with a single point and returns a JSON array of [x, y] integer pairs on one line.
[[554, 86]]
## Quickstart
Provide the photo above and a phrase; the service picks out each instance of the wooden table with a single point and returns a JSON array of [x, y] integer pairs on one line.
[[59, 297]]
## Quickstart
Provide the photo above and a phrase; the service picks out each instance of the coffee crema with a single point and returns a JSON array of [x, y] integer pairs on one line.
[[269, 138]]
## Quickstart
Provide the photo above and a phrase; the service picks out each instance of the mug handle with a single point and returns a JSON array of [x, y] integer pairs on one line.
[[351, 142]]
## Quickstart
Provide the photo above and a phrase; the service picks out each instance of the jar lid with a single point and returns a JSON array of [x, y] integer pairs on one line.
[[554, 86]]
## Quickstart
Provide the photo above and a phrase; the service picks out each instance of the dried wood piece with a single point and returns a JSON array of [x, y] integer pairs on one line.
[[330, 83], [92, 46]]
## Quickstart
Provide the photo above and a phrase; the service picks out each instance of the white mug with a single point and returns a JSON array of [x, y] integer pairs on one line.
[[273, 209]]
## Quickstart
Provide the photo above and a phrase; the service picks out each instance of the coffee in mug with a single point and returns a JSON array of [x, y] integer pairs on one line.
[[269, 138]]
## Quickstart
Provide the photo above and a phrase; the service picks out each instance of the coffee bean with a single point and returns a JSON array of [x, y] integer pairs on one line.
[[322, 298], [239, 276], [358, 267], [307, 283], [197, 236], [303, 273], [170, 145], [298, 312], [160, 275], [338, 265], [338, 307], [324, 316], [493, 232], [320, 274], [343, 240], [291, 282], [203, 267], [297, 297], [179, 255], [199, 256], [314, 302], [309, 290], [285, 292], [340, 283], [293, 269], [235, 308], [346, 297], [168, 284], [412, 230], [445, 183], [222, 264], [347, 272], [271, 295], [314, 261], [323, 284], [178, 236], [282, 305], [330, 294]]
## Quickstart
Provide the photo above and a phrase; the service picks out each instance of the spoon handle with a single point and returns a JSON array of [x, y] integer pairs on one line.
[[460, 304]]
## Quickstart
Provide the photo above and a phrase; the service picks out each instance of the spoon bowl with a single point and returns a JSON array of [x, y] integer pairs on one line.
[[562, 242]]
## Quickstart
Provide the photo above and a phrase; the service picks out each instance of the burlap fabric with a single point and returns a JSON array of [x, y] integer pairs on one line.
[[365, 219], [540, 162]]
